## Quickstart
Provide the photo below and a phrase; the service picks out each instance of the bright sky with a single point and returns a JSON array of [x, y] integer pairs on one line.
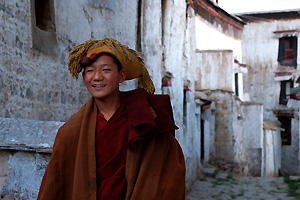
[[241, 6]]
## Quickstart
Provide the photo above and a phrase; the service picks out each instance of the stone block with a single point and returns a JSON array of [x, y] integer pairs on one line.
[[31, 133]]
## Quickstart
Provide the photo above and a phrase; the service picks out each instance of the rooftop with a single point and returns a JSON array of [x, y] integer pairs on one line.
[[269, 15]]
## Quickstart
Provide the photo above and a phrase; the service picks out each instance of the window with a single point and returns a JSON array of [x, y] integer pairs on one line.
[[236, 79], [43, 26], [202, 139], [184, 114], [284, 90], [287, 54], [43, 15], [286, 138], [285, 118]]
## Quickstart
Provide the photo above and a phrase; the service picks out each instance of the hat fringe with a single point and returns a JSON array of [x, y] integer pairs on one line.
[[76, 55], [79, 51], [146, 81]]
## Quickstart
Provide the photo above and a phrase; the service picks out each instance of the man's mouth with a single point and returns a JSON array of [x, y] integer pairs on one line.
[[97, 86]]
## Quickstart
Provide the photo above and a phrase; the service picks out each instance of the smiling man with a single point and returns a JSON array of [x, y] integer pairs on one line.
[[102, 79], [119, 145]]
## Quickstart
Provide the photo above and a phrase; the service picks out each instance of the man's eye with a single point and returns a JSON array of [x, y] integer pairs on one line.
[[106, 70], [89, 70]]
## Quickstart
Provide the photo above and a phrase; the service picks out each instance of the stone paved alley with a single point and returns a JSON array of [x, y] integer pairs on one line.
[[228, 186]]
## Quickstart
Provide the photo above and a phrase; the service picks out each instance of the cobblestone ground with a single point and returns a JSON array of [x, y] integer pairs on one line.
[[225, 186]]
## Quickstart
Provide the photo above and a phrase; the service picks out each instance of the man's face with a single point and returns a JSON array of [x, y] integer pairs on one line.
[[102, 78]]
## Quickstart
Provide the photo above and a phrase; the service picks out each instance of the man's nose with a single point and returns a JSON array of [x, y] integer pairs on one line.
[[98, 75]]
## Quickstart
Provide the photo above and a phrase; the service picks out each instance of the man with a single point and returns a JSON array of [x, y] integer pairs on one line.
[[119, 145]]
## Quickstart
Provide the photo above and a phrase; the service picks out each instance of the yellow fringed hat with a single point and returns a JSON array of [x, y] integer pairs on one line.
[[130, 60]]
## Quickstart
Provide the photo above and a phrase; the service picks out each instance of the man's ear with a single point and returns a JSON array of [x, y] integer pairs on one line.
[[122, 74]]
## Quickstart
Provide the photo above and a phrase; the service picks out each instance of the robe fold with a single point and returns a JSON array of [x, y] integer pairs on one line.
[[155, 166], [111, 151]]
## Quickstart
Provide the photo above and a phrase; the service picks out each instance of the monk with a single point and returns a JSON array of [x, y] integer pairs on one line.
[[119, 145]]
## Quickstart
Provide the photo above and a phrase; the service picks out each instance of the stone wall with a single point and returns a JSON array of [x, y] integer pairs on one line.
[[224, 123], [21, 173], [25, 150], [238, 133], [36, 85]]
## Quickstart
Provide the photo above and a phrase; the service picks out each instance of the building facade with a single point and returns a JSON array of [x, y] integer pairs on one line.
[[37, 93], [270, 49], [195, 45]]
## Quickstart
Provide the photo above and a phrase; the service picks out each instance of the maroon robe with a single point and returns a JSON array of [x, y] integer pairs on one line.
[[111, 151], [113, 137], [155, 167]]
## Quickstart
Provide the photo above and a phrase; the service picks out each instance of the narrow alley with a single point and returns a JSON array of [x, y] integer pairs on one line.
[[223, 186]]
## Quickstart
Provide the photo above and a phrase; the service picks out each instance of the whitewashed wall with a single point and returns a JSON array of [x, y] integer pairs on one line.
[[272, 148], [215, 70], [172, 50], [214, 39], [178, 58], [253, 138], [260, 52], [215, 55], [207, 134], [210, 38]]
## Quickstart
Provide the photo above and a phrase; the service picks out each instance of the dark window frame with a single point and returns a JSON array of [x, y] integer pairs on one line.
[[44, 15], [43, 26], [287, 52], [286, 133], [283, 97], [236, 79]]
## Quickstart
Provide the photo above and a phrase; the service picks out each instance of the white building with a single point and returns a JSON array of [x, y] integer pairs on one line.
[[38, 93], [270, 49], [199, 43]]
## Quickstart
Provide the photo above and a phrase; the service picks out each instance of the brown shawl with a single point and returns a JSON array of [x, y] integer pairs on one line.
[[155, 167]]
